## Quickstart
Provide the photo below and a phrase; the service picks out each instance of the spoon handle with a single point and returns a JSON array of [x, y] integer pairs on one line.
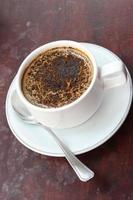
[[82, 171]]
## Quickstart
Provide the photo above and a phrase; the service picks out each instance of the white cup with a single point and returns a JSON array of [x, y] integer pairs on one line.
[[80, 110]]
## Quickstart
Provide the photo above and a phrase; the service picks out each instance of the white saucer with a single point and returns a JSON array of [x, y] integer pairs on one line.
[[106, 121]]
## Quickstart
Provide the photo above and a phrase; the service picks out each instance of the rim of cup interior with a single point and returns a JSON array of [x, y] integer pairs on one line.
[[38, 51]]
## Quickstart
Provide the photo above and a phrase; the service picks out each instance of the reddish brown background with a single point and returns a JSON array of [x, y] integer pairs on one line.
[[24, 25]]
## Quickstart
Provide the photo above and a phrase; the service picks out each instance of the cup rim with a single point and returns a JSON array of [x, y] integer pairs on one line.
[[43, 48]]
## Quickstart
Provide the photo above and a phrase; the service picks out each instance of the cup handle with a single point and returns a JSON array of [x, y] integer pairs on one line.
[[113, 74]]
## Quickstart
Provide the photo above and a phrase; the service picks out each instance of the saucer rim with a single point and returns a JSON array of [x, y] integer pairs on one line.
[[83, 150]]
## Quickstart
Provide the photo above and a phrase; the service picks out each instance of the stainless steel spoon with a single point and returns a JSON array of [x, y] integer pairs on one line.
[[82, 171]]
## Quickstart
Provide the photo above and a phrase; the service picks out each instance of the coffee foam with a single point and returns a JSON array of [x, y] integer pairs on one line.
[[57, 77]]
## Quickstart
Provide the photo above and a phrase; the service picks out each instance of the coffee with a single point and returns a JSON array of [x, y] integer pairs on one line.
[[57, 77]]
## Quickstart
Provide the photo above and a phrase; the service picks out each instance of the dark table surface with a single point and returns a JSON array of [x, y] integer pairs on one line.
[[25, 25]]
